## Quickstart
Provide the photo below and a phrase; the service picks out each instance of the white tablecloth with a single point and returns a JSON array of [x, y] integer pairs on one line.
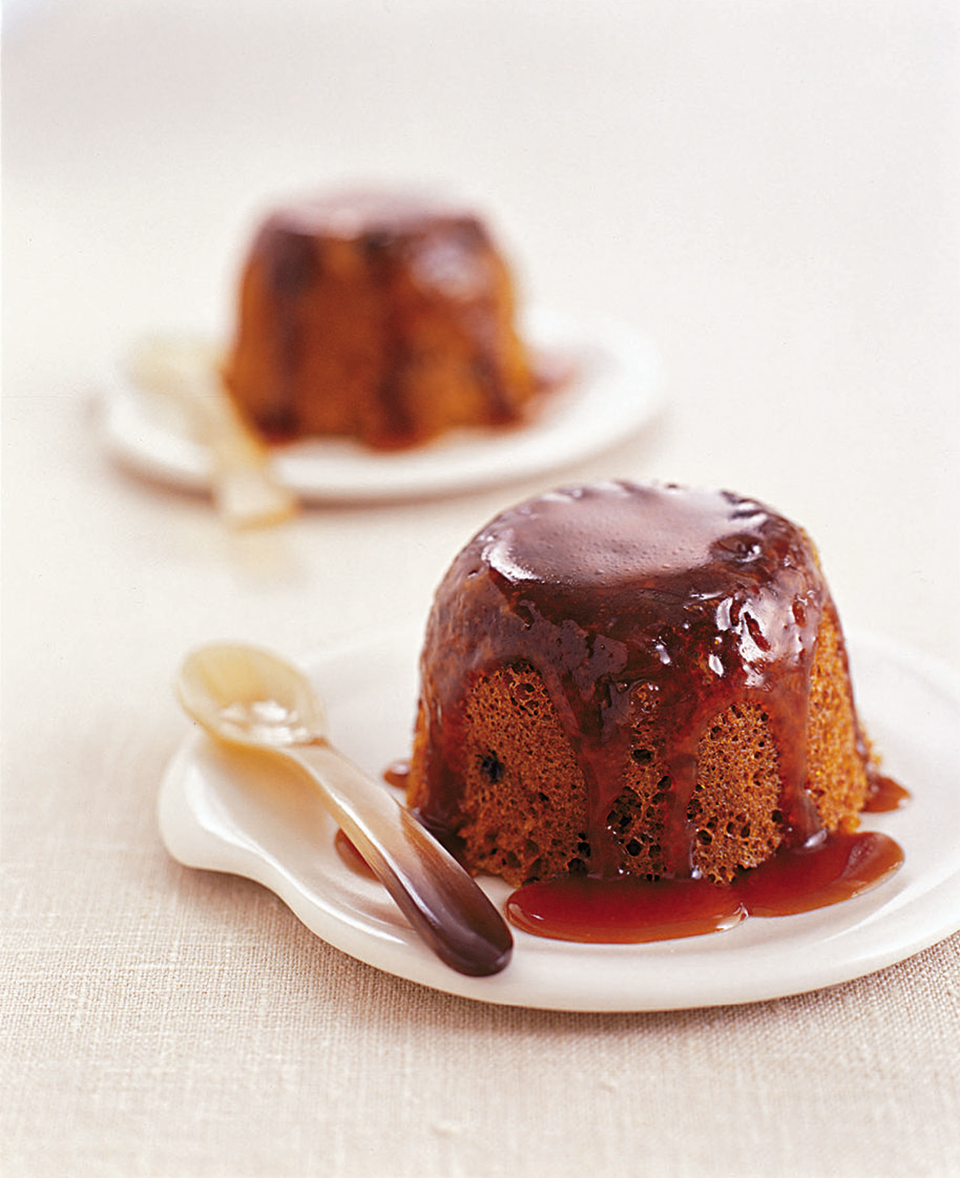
[[769, 192]]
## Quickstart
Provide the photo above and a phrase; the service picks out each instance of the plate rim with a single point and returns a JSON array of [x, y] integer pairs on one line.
[[626, 385]]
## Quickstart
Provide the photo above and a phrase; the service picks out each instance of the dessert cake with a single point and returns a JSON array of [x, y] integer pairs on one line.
[[380, 317], [646, 680]]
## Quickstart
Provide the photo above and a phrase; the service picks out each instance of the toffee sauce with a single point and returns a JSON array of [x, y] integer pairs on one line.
[[884, 794], [630, 909], [700, 598]]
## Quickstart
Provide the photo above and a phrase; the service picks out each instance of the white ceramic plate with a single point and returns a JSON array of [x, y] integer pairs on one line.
[[616, 393], [217, 812]]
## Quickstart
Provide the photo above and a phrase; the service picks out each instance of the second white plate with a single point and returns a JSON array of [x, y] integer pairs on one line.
[[616, 393], [217, 812]]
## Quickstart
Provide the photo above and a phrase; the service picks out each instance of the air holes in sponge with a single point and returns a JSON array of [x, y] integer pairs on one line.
[[492, 767]]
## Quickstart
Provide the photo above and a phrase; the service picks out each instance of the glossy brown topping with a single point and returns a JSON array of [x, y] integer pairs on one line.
[[624, 598], [630, 909], [444, 248]]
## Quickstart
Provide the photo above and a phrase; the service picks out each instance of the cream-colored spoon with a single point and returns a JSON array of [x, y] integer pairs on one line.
[[244, 489], [248, 696]]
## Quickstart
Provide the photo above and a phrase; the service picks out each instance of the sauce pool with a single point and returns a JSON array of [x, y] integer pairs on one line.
[[884, 794], [632, 910]]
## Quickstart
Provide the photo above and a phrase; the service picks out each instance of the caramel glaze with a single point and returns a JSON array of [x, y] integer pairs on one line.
[[448, 247], [702, 598], [884, 794], [630, 909]]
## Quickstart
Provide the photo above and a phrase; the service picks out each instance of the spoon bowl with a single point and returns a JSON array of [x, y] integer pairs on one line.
[[248, 697]]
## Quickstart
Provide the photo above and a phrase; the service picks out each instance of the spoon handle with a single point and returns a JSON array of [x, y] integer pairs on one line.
[[442, 902]]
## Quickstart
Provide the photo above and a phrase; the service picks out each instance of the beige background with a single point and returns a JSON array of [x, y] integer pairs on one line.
[[768, 190]]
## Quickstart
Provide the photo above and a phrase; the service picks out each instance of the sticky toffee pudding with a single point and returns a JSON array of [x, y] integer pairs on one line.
[[636, 708]]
